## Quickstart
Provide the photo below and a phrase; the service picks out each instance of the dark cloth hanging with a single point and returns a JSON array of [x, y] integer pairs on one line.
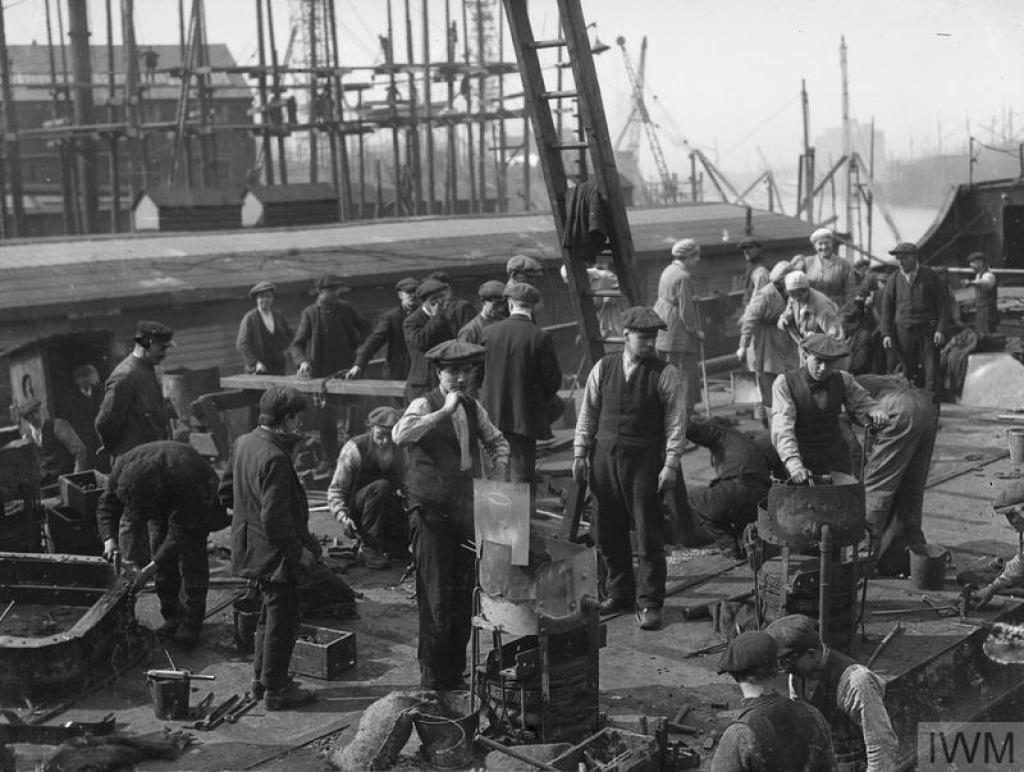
[[587, 224]]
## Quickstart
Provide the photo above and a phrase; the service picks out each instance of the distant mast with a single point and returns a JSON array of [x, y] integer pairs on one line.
[[847, 144]]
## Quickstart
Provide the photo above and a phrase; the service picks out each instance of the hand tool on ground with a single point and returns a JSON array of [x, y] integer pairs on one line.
[[17, 731], [179, 675], [884, 642], [677, 728], [712, 649], [216, 717], [247, 703], [942, 611], [703, 610]]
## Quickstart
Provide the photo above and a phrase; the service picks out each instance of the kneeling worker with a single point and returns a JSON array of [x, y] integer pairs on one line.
[[363, 494], [771, 731], [850, 696], [159, 505]]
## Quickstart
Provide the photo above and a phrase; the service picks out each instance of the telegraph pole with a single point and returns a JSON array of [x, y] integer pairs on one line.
[[12, 154], [847, 140], [81, 66]]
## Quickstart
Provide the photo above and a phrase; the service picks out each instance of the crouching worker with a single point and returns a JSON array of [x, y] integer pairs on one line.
[[440, 434], [159, 505], [363, 494], [771, 732], [1010, 504]]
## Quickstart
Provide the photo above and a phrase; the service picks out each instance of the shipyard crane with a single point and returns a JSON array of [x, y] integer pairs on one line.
[[642, 115]]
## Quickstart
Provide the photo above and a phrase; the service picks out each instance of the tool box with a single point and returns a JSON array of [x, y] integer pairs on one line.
[[81, 491], [323, 653]]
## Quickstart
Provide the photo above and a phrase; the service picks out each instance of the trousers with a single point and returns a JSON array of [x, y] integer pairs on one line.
[[380, 517], [276, 632], [916, 349]]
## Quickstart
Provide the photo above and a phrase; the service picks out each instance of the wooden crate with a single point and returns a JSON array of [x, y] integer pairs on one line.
[[81, 491], [323, 653]]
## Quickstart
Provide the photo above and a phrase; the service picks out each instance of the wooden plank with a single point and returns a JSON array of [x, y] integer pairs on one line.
[[356, 388]]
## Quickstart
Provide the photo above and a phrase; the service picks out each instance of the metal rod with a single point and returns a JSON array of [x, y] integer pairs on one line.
[[496, 746], [6, 611], [885, 642], [823, 580]]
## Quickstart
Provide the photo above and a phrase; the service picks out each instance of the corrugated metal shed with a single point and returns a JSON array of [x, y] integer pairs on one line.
[[298, 205]]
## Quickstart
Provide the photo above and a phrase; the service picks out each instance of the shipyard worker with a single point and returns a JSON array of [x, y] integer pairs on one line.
[[270, 539], [807, 310], [388, 332], [986, 317], [429, 325], [743, 468], [805, 411], [680, 339], [523, 269], [756, 274], [462, 311], [264, 335], [766, 349], [629, 441], [159, 505], [826, 271], [493, 308], [1009, 502], [363, 494], [896, 470], [133, 409], [770, 733], [329, 334], [58, 446], [851, 697], [79, 407], [521, 380], [440, 434], [915, 317]]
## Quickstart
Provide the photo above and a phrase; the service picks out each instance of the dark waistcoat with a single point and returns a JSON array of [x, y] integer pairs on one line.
[[815, 426], [847, 738], [631, 410], [433, 474], [780, 730]]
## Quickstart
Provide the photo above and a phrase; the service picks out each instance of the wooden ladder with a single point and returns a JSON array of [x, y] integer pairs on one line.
[[597, 141]]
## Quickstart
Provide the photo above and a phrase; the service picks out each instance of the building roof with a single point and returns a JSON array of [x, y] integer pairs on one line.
[[185, 198], [297, 192], [31, 78], [103, 273]]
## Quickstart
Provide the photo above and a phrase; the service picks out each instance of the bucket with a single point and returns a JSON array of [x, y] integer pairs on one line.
[[448, 739], [928, 565], [170, 697], [183, 386], [247, 614], [1015, 443]]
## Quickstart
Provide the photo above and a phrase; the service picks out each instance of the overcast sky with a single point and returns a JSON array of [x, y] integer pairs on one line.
[[723, 74]]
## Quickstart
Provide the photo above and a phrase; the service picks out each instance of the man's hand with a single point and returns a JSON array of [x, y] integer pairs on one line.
[[451, 402], [887, 342], [666, 479], [501, 472], [109, 548], [741, 353], [353, 372], [879, 419], [799, 475], [305, 370], [939, 338], [348, 527], [984, 595], [431, 308], [580, 469], [260, 368], [142, 577]]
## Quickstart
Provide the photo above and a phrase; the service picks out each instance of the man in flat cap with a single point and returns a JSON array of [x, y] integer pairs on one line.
[[629, 440], [986, 294], [806, 404], [851, 697], [680, 339], [764, 348], [807, 310], [159, 505], [270, 539], [493, 308], [429, 325], [363, 494], [133, 410], [462, 311], [756, 274], [441, 434], [826, 271], [915, 317], [389, 332], [523, 269], [58, 446], [329, 334], [771, 732], [521, 380], [264, 334]]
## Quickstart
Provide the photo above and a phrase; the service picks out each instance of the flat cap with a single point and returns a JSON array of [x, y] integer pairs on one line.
[[261, 287], [824, 346], [441, 276], [383, 416], [977, 256], [279, 402], [491, 290], [779, 270], [747, 651], [797, 280], [453, 352], [822, 233], [685, 248], [153, 330], [904, 248], [523, 292], [28, 408], [642, 319], [430, 287], [408, 284], [328, 281], [794, 634], [748, 242], [523, 264]]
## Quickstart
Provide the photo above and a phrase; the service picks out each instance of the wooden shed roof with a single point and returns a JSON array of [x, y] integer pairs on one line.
[[293, 193]]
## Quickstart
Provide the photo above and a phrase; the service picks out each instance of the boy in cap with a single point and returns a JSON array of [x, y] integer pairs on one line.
[[363, 494], [523, 268], [264, 334], [848, 695], [521, 378], [270, 538], [771, 732], [493, 308], [629, 440], [808, 310], [389, 332], [915, 317], [440, 434], [986, 295], [680, 338], [806, 404], [429, 325], [59, 448], [79, 407], [462, 311], [133, 410], [826, 271]]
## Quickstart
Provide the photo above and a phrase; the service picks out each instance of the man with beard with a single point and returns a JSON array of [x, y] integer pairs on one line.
[[388, 332]]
